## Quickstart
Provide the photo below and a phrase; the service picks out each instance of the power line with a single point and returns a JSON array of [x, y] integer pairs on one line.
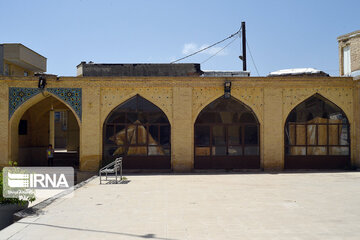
[[232, 35], [247, 44], [219, 51]]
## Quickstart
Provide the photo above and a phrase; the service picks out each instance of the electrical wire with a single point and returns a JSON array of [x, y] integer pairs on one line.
[[247, 44], [219, 51], [232, 35]]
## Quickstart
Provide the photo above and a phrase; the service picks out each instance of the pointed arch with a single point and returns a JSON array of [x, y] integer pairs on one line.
[[322, 94], [226, 136], [317, 135], [232, 105], [19, 112], [34, 99], [213, 98], [139, 131], [136, 97], [128, 97], [319, 97]]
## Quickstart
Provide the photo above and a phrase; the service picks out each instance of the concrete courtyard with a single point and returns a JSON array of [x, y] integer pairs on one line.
[[204, 206]]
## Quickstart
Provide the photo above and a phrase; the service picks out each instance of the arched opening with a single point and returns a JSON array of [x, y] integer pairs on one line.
[[48, 122], [139, 131], [317, 136], [226, 136]]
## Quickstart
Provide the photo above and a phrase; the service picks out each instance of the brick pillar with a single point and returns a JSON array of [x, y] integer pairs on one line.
[[90, 136], [4, 123], [356, 126], [273, 130], [182, 130]]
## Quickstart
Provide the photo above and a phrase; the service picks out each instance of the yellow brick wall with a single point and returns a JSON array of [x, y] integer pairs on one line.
[[4, 134], [90, 134], [273, 128], [182, 140], [356, 125], [182, 99]]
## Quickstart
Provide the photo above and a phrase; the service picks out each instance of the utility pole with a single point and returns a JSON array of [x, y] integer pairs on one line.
[[243, 45]]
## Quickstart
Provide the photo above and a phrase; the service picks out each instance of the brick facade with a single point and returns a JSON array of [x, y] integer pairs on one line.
[[353, 41]]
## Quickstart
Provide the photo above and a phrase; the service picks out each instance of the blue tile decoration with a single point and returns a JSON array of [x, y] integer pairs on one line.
[[72, 96], [18, 96]]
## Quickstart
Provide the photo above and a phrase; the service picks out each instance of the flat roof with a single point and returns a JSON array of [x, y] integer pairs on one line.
[[24, 47], [138, 69], [349, 35], [298, 72]]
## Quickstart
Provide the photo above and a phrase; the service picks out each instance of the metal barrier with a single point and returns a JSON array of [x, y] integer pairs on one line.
[[112, 168]]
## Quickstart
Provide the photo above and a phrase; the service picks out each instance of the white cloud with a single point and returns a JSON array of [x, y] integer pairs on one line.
[[190, 48]]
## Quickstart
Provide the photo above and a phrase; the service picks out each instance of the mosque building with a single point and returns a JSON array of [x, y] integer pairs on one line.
[[177, 117]]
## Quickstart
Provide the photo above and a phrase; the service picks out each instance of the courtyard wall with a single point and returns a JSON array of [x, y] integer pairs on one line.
[[182, 99]]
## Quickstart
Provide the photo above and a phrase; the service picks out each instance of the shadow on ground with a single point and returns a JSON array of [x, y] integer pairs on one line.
[[149, 235]]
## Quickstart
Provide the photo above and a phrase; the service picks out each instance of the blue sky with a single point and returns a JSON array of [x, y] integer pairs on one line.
[[281, 34]]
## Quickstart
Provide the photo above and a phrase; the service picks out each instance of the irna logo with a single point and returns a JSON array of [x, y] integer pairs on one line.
[[19, 180], [22, 181]]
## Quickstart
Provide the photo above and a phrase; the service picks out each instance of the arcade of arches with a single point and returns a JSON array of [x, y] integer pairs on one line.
[[186, 124]]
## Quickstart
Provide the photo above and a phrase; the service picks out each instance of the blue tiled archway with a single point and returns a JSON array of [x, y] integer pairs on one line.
[[71, 96]]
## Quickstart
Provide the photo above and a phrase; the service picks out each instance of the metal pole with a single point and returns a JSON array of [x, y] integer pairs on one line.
[[243, 44], [121, 170], [116, 173]]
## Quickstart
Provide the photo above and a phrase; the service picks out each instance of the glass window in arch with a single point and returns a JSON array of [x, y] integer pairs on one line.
[[317, 127], [136, 128], [226, 127]]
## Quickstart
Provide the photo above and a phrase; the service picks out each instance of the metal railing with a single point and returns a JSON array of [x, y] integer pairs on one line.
[[112, 168]]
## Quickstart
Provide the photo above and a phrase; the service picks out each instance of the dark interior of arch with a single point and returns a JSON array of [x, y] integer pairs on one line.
[[139, 109], [226, 129], [316, 107], [226, 110]]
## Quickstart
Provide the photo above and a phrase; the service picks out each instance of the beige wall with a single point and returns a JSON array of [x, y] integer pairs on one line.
[[73, 138], [182, 99], [354, 44], [38, 123], [23, 56], [15, 70]]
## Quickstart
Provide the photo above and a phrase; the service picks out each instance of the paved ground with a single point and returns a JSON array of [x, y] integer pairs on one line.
[[45, 194], [220, 206]]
